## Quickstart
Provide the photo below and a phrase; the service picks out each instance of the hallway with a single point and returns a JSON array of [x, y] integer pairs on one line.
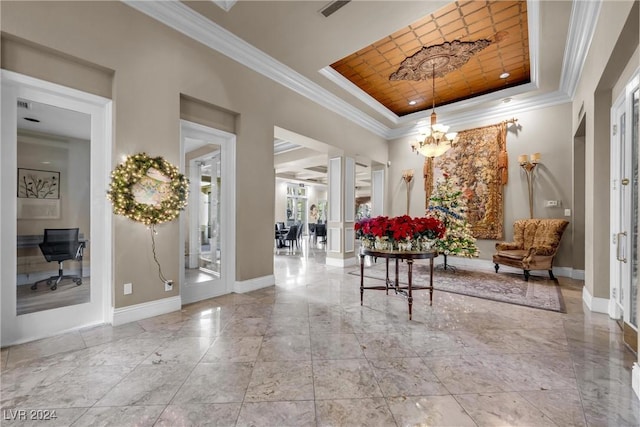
[[305, 353]]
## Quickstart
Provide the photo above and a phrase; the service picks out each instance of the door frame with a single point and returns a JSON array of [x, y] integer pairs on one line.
[[620, 281], [28, 327], [227, 143]]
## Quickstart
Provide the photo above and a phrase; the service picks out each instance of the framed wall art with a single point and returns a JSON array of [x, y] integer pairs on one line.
[[38, 184]]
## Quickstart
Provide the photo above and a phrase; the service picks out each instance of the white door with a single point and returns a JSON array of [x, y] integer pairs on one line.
[[624, 206], [55, 161], [207, 225]]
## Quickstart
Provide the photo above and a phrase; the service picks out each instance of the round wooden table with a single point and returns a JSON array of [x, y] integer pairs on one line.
[[409, 257]]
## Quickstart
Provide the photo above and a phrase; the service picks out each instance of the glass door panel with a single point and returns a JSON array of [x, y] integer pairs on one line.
[[209, 202], [624, 212], [633, 297], [53, 207]]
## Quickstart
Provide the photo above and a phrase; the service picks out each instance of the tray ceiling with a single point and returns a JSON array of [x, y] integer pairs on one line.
[[470, 44]]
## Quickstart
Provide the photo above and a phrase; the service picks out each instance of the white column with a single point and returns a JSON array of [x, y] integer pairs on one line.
[[341, 195], [377, 192]]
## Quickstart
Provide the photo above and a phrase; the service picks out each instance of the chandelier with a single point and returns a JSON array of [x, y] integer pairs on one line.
[[436, 140]]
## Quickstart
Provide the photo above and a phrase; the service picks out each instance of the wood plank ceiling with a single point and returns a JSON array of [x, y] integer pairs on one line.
[[498, 30]]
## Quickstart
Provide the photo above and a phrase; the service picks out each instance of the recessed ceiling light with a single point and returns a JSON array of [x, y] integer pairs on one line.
[[46, 163], [31, 119], [413, 102], [506, 100], [504, 75]]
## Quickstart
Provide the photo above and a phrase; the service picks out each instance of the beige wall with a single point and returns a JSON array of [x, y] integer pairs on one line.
[[547, 131], [109, 49], [152, 67]]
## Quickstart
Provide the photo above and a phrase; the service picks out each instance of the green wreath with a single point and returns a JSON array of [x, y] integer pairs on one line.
[[148, 189]]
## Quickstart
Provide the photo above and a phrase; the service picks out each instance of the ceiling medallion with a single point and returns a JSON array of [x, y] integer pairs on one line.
[[438, 60]]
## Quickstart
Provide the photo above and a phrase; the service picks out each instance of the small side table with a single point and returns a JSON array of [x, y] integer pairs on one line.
[[409, 257]]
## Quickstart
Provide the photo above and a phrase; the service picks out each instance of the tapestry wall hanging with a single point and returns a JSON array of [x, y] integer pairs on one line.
[[479, 163]]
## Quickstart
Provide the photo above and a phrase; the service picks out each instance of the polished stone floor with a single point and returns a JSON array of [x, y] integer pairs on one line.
[[305, 353]]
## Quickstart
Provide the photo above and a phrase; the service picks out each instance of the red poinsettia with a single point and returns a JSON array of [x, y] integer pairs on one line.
[[399, 228]]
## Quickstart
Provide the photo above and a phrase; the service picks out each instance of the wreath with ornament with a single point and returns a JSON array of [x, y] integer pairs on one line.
[[148, 189]]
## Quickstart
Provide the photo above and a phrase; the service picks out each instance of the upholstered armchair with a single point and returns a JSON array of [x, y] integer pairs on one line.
[[535, 245]]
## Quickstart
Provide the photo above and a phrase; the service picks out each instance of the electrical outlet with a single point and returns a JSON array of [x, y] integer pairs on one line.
[[168, 285], [128, 288], [551, 203]]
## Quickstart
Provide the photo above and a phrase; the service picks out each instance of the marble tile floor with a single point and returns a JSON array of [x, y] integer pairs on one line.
[[305, 353]]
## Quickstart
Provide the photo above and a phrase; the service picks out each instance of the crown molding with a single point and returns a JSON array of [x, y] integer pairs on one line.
[[533, 20], [346, 84], [499, 112], [185, 20], [584, 15], [582, 26], [225, 5], [451, 109]]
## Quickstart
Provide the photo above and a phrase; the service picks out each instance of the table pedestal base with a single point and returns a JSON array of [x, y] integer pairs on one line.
[[405, 291]]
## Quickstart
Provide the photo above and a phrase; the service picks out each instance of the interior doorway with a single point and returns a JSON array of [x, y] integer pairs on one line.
[[624, 211], [56, 158], [207, 226]]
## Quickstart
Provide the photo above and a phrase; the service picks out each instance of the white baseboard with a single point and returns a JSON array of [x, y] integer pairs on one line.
[[39, 336], [487, 265], [197, 292], [635, 379], [614, 310], [254, 284], [597, 305], [145, 310], [340, 262], [576, 274]]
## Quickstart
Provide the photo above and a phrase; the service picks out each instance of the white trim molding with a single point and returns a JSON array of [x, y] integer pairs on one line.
[[145, 310], [635, 379], [582, 25], [185, 20], [200, 291], [488, 265], [241, 287], [98, 310], [594, 304], [584, 15], [342, 262]]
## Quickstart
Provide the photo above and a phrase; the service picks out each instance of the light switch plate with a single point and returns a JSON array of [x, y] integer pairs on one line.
[[567, 212]]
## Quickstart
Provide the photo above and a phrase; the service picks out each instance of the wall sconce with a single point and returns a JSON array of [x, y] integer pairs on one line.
[[407, 176], [529, 163]]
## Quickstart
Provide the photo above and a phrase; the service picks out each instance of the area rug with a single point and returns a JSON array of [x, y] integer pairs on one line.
[[538, 292]]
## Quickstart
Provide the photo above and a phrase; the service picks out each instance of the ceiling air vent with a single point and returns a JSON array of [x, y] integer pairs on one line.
[[24, 104], [333, 7]]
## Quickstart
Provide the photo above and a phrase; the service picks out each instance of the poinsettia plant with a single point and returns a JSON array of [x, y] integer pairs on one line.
[[399, 228]]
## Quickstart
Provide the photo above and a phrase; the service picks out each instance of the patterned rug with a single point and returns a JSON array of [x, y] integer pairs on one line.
[[538, 292]]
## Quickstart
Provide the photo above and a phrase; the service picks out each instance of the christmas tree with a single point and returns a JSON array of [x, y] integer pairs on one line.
[[448, 205]]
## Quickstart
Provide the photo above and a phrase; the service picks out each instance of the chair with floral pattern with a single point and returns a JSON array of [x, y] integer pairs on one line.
[[535, 245]]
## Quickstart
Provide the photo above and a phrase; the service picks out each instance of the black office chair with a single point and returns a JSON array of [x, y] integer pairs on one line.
[[61, 244]]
